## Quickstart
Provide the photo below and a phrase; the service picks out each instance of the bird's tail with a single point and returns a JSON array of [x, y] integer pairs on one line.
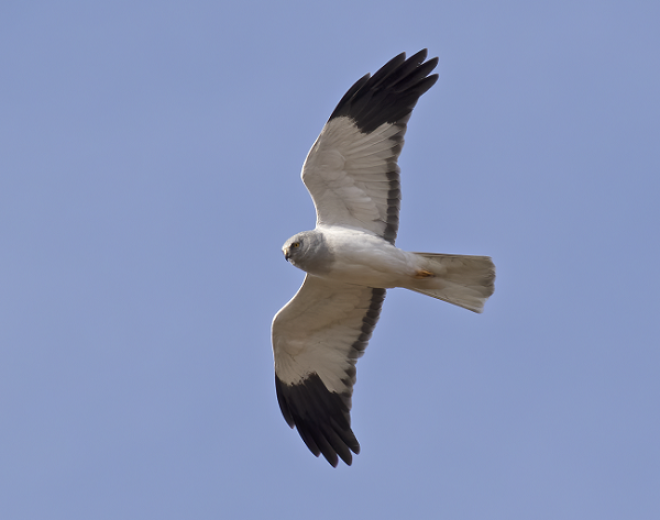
[[463, 280]]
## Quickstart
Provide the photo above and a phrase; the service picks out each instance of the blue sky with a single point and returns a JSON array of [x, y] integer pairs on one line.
[[149, 173]]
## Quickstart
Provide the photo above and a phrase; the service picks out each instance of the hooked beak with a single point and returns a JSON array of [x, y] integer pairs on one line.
[[286, 253]]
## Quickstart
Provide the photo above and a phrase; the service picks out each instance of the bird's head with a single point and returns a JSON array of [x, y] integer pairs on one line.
[[293, 248], [308, 251]]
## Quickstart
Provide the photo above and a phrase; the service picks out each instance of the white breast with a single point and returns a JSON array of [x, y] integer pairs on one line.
[[364, 259]]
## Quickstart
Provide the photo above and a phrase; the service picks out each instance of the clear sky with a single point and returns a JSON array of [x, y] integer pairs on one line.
[[149, 173]]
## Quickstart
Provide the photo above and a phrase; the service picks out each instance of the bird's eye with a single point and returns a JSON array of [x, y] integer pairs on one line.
[[295, 244]]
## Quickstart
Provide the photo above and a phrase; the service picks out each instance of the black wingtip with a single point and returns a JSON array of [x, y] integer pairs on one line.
[[390, 95], [320, 416]]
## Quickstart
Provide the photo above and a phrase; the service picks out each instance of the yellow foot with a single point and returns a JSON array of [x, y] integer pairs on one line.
[[423, 273]]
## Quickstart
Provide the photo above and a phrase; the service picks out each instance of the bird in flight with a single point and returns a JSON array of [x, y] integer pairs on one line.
[[350, 258]]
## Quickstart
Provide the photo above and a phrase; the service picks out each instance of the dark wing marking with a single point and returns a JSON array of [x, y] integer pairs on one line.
[[390, 95]]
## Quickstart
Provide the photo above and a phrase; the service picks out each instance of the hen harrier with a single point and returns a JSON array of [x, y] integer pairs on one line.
[[350, 258]]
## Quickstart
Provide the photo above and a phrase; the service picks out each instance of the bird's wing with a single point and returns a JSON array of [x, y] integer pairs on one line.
[[317, 338], [351, 170]]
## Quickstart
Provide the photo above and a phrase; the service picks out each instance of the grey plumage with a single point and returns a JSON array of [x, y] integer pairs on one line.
[[351, 259], [311, 254]]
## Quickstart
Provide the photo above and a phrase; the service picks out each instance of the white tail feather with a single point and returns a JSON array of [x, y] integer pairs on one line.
[[463, 280]]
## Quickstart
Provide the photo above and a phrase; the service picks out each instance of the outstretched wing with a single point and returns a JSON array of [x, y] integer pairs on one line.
[[317, 338], [351, 171]]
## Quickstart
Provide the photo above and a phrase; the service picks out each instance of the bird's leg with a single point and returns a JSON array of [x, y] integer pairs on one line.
[[423, 273]]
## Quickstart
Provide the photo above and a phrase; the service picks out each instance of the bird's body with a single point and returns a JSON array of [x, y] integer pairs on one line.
[[351, 259], [366, 259]]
